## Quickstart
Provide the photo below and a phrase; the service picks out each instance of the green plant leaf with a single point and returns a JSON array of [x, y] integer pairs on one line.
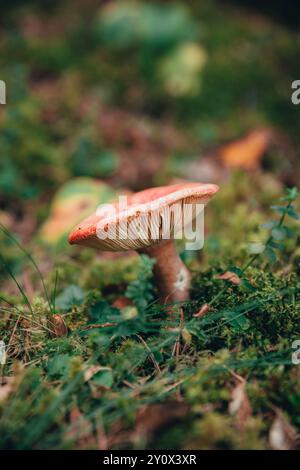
[[278, 233], [236, 320], [58, 366], [141, 290], [271, 255], [71, 296], [256, 248], [248, 285], [103, 378], [102, 311]]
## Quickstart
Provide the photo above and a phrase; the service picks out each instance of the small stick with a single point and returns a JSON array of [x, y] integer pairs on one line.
[[156, 365]]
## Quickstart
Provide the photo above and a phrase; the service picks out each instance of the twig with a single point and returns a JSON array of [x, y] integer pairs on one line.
[[99, 325], [156, 365]]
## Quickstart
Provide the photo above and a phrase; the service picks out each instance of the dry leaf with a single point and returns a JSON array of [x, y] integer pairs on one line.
[[203, 311], [229, 276], [91, 371], [150, 418], [96, 388], [6, 388], [9, 385], [248, 151], [80, 431], [239, 405], [282, 435], [76, 199], [6, 219], [186, 336], [58, 326]]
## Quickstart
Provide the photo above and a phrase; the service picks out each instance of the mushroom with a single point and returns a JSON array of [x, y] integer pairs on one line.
[[148, 222]]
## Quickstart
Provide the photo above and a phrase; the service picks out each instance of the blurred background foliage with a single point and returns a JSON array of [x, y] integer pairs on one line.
[[214, 70]]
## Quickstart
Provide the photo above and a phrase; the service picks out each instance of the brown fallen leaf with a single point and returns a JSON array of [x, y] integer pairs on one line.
[[229, 276], [8, 385], [247, 152], [91, 371], [203, 311], [80, 431], [150, 419], [6, 388], [239, 405], [282, 435], [6, 219], [57, 325]]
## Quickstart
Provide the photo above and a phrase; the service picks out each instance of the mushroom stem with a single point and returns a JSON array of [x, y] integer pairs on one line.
[[171, 275]]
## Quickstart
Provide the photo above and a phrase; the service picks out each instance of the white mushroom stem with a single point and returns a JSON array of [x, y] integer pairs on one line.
[[172, 277]]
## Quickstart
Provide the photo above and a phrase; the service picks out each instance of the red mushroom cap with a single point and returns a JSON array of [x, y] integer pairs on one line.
[[153, 202]]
